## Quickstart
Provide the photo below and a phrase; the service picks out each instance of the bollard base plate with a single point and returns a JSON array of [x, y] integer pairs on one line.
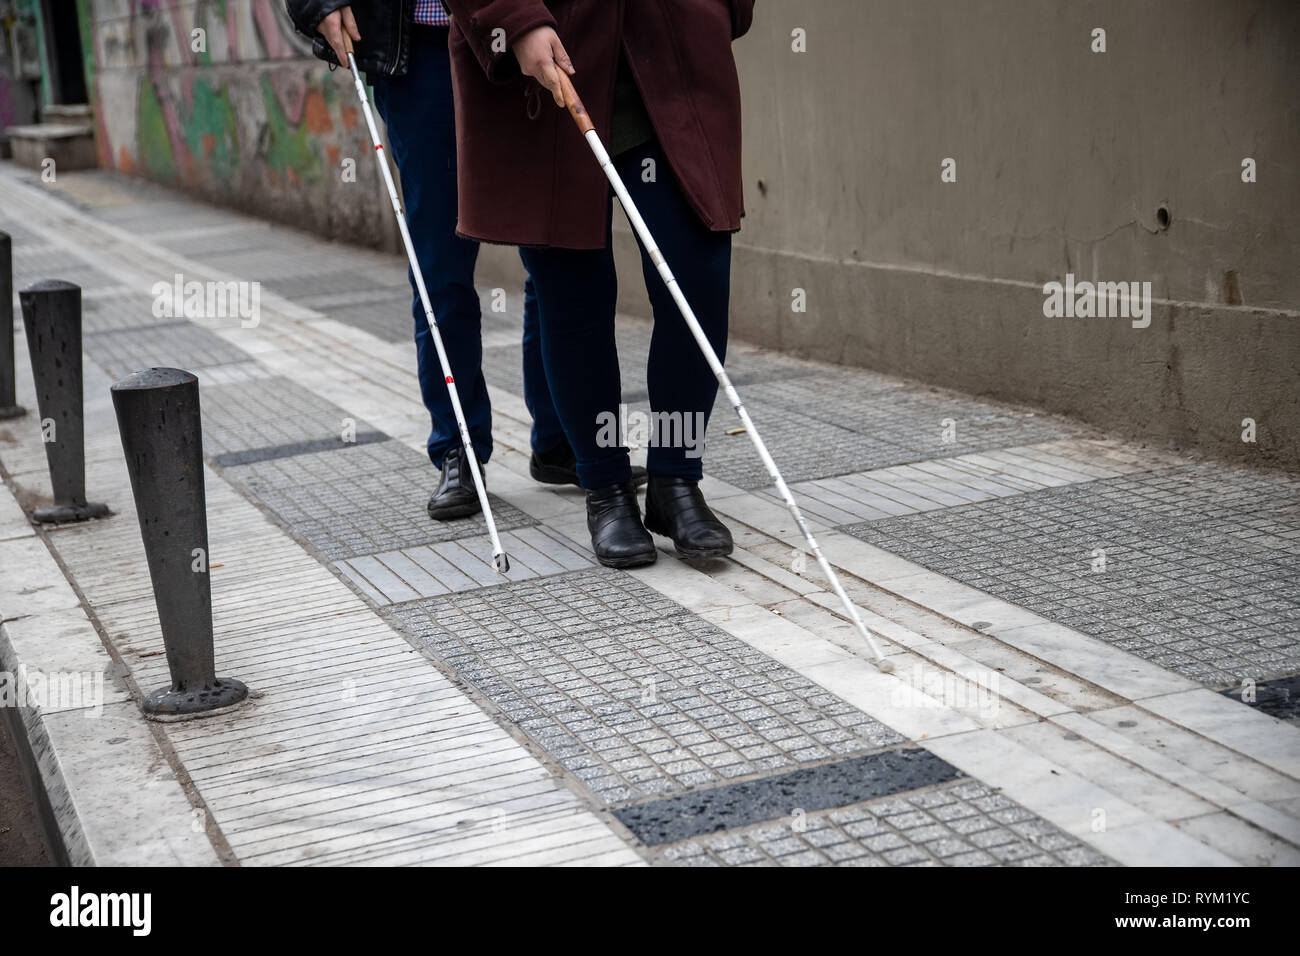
[[58, 514], [11, 411], [221, 696]]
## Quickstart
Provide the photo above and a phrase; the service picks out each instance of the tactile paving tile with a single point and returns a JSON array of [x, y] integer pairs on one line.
[[269, 264], [170, 344], [384, 309], [362, 499], [629, 690], [20, 233], [962, 823], [385, 314], [33, 262], [873, 422], [268, 413], [236, 373], [146, 213], [748, 364], [802, 446], [215, 241], [322, 283], [939, 483], [1200, 568], [465, 565], [115, 309]]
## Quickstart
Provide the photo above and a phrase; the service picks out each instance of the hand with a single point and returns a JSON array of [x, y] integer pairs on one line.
[[541, 55], [332, 27]]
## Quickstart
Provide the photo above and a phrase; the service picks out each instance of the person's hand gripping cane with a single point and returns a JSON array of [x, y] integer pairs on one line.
[[542, 56], [334, 27]]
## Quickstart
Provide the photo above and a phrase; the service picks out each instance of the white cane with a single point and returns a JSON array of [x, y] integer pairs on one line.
[[579, 114], [499, 559]]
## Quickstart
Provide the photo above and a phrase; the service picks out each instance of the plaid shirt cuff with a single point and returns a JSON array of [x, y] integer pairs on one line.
[[430, 13]]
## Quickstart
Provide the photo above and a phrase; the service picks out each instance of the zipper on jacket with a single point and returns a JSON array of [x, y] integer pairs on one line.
[[396, 66]]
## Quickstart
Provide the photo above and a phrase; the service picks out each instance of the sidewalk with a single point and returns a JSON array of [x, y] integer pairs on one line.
[[1070, 618]]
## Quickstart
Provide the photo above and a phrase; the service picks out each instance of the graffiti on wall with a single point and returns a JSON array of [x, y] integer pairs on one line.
[[219, 96], [20, 64]]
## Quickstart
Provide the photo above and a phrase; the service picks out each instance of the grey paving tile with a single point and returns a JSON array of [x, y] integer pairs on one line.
[[174, 343], [326, 282], [874, 422], [116, 309], [362, 499], [1200, 572], [385, 313], [563, 646], [871, 833], [271, 412], [35, 260]]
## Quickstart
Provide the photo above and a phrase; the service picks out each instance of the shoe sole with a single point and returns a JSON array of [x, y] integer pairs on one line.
[[630, 561], [695, 554], [690, 553], [550, 475], [454, 511]]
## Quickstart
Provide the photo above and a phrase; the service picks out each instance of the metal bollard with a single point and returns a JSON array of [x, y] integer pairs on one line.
[[158, 417], [52, 317], [9, 407]]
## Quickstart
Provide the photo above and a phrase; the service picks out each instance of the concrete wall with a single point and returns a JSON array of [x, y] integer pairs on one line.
[[1063, 159], [240, 113]]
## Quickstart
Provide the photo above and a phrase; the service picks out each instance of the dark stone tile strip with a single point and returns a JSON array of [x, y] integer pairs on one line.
[[294, 448], [1278, 698], [822, 787]]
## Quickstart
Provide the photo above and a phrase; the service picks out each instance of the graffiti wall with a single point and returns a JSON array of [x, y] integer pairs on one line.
[[222, 98], [20, 64]]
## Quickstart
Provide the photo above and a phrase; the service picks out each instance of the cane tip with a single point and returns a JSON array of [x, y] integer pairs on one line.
[[502, 563], [884, 666]]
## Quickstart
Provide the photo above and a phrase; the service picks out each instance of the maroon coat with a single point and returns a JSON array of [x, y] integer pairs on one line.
[[526, 175]]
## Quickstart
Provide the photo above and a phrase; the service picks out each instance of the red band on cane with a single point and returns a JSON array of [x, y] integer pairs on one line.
[[449, 379], [379, 146]]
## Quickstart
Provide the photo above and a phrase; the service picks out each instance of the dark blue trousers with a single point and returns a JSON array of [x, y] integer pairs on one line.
[[418, 112], [578, 289]]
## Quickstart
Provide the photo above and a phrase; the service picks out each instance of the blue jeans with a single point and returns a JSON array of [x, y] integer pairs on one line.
[[417, 109], [578, 289]]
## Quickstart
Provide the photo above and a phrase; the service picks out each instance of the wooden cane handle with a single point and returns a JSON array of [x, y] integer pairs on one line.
[[574, 104], [347, 42]]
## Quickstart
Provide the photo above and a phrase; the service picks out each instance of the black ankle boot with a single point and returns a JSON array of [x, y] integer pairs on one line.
[[617, 535], [559, 466], [675, 508], [456, 496]]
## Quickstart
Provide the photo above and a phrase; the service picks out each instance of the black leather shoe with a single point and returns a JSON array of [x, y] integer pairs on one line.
[[559, 466], [675, 508], [456, 496], [617, 535]]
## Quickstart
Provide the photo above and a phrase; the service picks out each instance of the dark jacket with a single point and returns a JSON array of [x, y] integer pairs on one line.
[[384, 25], [527, 177]]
